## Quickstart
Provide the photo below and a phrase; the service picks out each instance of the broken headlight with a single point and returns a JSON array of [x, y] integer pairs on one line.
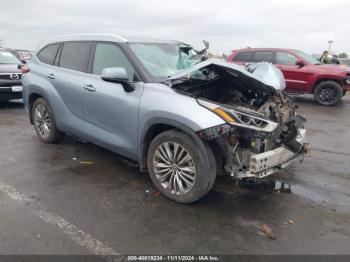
[[239, 118]]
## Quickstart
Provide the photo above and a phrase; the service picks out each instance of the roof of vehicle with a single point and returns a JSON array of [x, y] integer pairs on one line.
[[5, 49], [108, 38], [265, 49]]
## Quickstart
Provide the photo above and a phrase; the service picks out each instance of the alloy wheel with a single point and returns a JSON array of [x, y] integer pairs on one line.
[[327, 95], [42, 121], [174, 168]]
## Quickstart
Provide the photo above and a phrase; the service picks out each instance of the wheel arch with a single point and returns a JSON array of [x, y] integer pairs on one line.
[[325, 79], [31, 98], [158, 125]]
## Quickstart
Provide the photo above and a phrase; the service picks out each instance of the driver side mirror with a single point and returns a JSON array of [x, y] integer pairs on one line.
[[299, 62], [117, 75]]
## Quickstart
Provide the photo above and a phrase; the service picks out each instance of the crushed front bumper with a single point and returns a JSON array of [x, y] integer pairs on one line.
[[269, 162]]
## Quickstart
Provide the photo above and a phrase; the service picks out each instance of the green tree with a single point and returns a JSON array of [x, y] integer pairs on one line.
[[343, 55]]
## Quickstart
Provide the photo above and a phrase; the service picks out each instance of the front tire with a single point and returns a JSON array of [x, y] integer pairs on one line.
[[178, 168], [328, 93], [44, 122]]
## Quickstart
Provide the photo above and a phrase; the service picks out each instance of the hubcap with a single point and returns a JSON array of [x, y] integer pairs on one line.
[[174, 168], [42, 121], [327, 95]]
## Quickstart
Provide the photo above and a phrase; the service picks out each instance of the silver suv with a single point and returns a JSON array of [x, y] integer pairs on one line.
[[160, 104]]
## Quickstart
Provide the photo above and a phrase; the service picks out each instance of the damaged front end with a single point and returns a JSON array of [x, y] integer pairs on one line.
[[263, 133]]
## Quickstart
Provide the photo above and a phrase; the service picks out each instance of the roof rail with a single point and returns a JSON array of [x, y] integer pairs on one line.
[[73, 35], [113, 35]]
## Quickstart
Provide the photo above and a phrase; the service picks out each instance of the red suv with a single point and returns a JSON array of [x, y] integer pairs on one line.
[[302, 72]]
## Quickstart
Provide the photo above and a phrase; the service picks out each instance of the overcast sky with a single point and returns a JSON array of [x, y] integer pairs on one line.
[[226, 24]]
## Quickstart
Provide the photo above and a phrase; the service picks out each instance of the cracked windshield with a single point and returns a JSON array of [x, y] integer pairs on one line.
[[162, 59]]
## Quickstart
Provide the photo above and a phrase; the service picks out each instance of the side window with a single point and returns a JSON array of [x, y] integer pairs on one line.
[[243, 57], [263, 56], [110, 55], [283, 58], [48, 54], [75, 56]]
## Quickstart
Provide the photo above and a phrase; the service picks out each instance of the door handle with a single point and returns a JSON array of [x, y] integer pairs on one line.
[[89, 88], [51, 76]]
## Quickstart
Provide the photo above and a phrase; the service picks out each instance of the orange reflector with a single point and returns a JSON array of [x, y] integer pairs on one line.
[[224, 115]]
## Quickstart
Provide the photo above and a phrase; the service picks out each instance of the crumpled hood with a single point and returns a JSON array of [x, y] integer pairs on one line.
[[263, 72], [9, 68]]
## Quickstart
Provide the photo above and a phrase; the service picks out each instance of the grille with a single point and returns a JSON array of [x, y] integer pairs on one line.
[[8, 76]]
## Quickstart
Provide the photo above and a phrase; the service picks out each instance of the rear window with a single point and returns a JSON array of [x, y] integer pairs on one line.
[[75, 56], [263, 56], [48, 54], [243, 57]]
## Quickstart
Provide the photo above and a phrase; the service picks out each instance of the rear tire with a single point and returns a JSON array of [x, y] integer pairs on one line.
[[179, 168], [44, 122], [328, 93]]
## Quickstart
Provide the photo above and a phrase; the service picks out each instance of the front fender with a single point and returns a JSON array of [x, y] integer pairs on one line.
[[160, 104], [327, 77], [142, 150]]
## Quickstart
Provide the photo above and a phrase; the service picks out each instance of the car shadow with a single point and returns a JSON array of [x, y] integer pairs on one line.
[[11, 104], [308, 100]]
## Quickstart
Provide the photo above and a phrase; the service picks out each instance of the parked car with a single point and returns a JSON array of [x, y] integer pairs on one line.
[[303, 73], [10, 76], [157, 103], [24, 55], [344, 62]]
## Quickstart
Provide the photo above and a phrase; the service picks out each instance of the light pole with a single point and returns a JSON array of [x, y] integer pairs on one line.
[[330, 42]]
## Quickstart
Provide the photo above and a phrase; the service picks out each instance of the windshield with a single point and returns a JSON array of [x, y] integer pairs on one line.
[[164, 59], [8, 58], [309, 58]]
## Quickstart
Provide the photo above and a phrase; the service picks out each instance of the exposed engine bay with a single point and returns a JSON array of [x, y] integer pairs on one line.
[[262, 133]]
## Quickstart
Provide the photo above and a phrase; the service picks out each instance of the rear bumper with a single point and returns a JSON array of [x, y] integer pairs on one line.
[[269, 162]]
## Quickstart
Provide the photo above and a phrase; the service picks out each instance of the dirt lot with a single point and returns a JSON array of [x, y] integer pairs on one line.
[[52, 204]]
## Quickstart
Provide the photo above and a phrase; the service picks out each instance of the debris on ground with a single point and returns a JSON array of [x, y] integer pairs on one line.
[[286, 224], [147, 193], [74, 158], [86, 162], [267, 231], [157, 194]]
